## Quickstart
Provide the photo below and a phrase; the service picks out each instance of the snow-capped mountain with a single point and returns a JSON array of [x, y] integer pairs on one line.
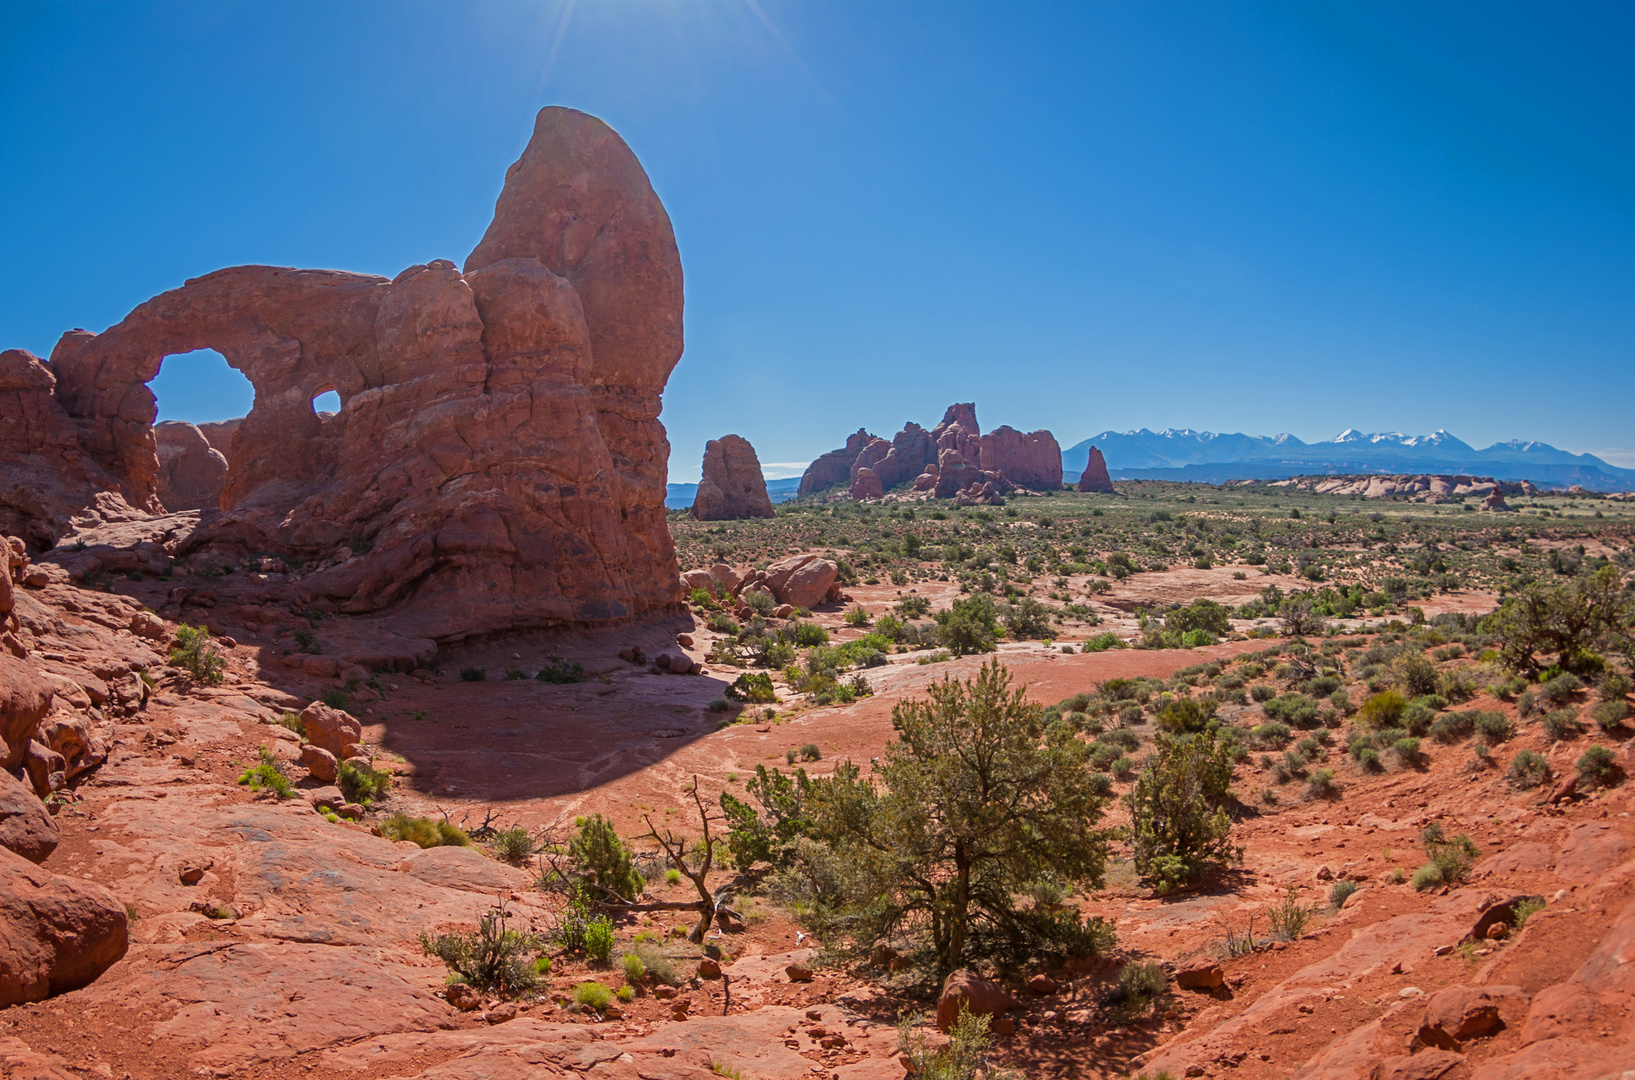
[[1186, 454]]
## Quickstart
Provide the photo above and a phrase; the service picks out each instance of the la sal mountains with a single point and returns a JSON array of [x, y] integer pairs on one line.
[[1207, 457]]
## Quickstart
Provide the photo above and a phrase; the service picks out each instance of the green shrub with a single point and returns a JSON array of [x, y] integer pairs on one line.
[[810, 752], [1596, 765], [600, 857], [1453, 858], [561, 672], [493, 958], [1560, 725], [969, 626], [1321, 784], [1180, 830], [1262, 692], [1143, 981], [1383, 710], [594, 994], [1407, 752], [1495, 726], [760, 601], [423, 831], [1614, 685], [656, 965], [1560, 689], [1452, 727], [194, 653], [1369, 760], [268, 775], [361, 783], [1102, 642], [473, 674], [514, 845], [1528, 770], [1428, 876], [599, 939], [1610, 715], [1340, 893], [635, 971], [293, 722], [1526, 909], [754, 687], [963, 1057], [857, 616]]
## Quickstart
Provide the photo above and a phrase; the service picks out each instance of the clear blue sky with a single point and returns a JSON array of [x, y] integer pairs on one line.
[[1242, 217]]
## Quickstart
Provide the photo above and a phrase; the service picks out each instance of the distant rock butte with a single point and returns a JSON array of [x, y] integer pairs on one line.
[[497, 462], [951, 460], [732, 486], [1424, 487], [1095, 476]]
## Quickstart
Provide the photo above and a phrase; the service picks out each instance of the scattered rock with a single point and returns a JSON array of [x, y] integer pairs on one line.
[[1042, 984], [1199, 973], [332, 730], [502, 1013], [709, 969], [463, 997], [798, 973], [320, 763]]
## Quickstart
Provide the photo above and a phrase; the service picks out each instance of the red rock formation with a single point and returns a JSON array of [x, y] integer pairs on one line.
[[191, 471], [835, 467], [219, 434], [1033, 460], [866, 484], [959, 431], [56, 933], [1095, 476], [497, 462], [731, 486]]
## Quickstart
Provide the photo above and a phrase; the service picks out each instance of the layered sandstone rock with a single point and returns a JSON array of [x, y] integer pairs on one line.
[[866, 484], [1095, 476], [1032, 460], [497, 461], [192, 473], [731, 486]]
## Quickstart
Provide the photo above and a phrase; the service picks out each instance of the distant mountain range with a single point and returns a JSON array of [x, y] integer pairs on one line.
[[1206, 457], [680, 496]]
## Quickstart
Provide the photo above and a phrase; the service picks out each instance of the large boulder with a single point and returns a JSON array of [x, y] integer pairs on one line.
[[25, 698], [1032, 460], [497, 462], [866, 485], [191, 472], [26, 827], [1095, 476], [732, 486], [56, 933], [333, 730], [963, 990], [799, 580]]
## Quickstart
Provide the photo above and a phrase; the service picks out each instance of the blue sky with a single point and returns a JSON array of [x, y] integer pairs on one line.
[[1239, 217]]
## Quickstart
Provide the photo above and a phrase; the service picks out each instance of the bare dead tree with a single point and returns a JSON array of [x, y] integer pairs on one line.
[[696, 866]]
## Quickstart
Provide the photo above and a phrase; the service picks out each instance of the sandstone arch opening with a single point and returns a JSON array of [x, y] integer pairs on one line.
[[199, 399], [327, 401]]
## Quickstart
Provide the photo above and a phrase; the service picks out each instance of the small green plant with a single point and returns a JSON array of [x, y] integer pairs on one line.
[[293, 722], [1528, 769], [1289, 917], [810, 752], [657, 966], [857, 616], [1451, 860], [306, 641], [514, 845], [626, 993], [672, 876], [718, 705], [1526, 909], [731, 1072], [599, 939], [1560, 725], [1341, 892], [635, 969], [1320, 785], [362, 783], [473, 674], [194, 653], [336, 698], [561, 672], [1609, 716], [594, 994], [268, 775], [493, 958], [423, 831], [760, 601]]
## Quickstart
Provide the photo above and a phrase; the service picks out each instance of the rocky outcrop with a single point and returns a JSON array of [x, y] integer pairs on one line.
[[192, 473], [866, 484], [835, 467], [56, 933], [219, 434], [1495, 501], [497, 462], [1095, 476], [732, 486], [1032, 460], [1423, 487]]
